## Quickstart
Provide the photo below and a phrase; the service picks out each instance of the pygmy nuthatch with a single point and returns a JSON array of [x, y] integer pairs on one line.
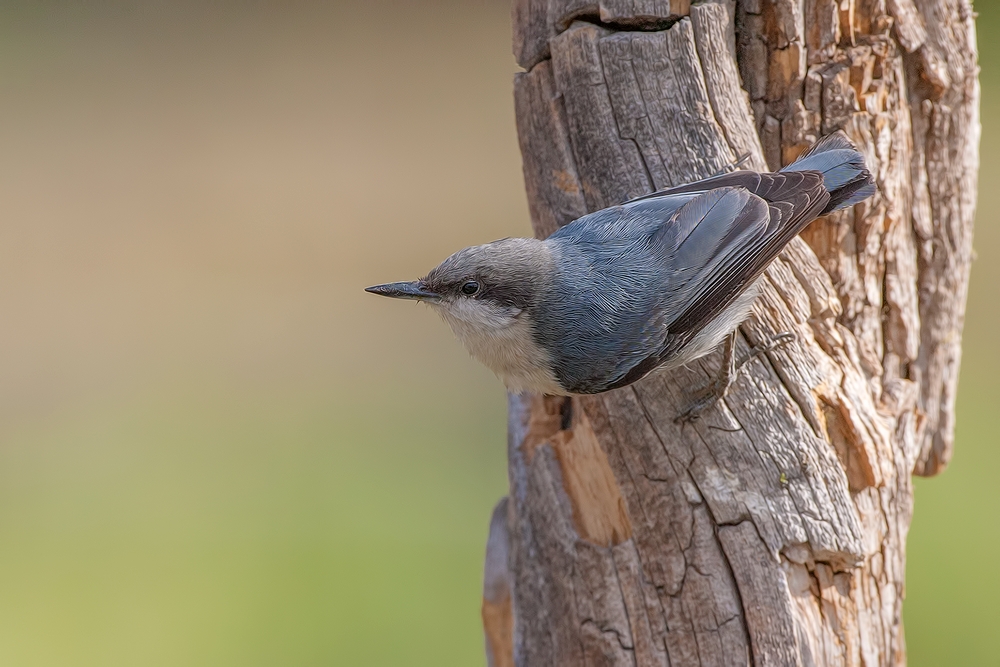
[[653, 283]]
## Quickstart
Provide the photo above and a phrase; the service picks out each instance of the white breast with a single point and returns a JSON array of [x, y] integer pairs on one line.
[[500, 339]]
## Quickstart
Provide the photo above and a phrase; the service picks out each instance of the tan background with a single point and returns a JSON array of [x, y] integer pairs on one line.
[[215, 449]]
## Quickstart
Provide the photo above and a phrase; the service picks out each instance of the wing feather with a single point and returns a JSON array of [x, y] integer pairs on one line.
[[692, 251], [732, 242], [791, 203]]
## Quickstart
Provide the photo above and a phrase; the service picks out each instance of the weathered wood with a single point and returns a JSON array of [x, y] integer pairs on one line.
[[498, 610], [555, 196], [908, 24], [715, 40], [944, 172], [535, 22], [772, 531]]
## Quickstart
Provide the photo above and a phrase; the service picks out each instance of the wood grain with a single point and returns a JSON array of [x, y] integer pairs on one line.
[[772, 531], [535, 22], [498, 608]]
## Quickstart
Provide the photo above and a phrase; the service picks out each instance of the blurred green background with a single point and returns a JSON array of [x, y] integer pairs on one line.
[[215, 449]]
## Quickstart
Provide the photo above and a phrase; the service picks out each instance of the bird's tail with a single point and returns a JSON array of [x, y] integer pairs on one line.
[[845, 176]]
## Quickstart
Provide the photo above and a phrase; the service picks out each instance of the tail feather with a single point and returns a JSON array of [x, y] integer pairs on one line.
[[845, 176]]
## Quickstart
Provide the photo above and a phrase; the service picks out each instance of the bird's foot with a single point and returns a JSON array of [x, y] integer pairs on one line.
[[733, 166], [704, 399], [770, 345], [716, 391]]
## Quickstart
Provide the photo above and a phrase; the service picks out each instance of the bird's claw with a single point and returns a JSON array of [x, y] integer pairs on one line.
[[776, 341], [707, 397], [717, 390], [733, 166]]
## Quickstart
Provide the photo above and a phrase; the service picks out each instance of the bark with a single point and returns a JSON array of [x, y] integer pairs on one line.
[[772, 531]]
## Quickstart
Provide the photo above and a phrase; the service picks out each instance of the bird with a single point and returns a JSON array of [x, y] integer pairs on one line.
[[648, 285]]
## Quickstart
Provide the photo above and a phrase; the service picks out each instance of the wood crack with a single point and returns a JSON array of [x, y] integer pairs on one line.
[[638, 23], [733, 521]]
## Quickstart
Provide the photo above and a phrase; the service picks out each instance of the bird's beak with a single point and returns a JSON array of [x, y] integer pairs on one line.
[[415, 290]]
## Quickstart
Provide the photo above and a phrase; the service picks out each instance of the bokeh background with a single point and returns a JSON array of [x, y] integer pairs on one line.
[[215, 449]]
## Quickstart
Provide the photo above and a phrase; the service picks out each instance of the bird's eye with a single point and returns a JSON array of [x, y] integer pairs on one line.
[[469, 288]]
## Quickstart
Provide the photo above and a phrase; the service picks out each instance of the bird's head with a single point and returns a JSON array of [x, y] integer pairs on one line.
[[483, 289]]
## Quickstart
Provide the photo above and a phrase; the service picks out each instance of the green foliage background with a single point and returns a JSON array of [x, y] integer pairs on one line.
[[215, 449]]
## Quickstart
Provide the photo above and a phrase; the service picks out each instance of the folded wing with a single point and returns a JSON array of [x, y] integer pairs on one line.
[[716, 243]]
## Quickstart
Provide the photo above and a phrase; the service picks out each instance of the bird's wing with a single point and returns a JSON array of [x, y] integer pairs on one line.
[[735, 240], [681, 256], [750, 180], [716, 244]]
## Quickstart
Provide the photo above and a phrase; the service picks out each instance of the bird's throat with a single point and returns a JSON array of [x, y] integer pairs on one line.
[[508, 349]]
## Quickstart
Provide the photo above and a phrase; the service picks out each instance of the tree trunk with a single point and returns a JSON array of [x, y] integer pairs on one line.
[[772, 530]]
